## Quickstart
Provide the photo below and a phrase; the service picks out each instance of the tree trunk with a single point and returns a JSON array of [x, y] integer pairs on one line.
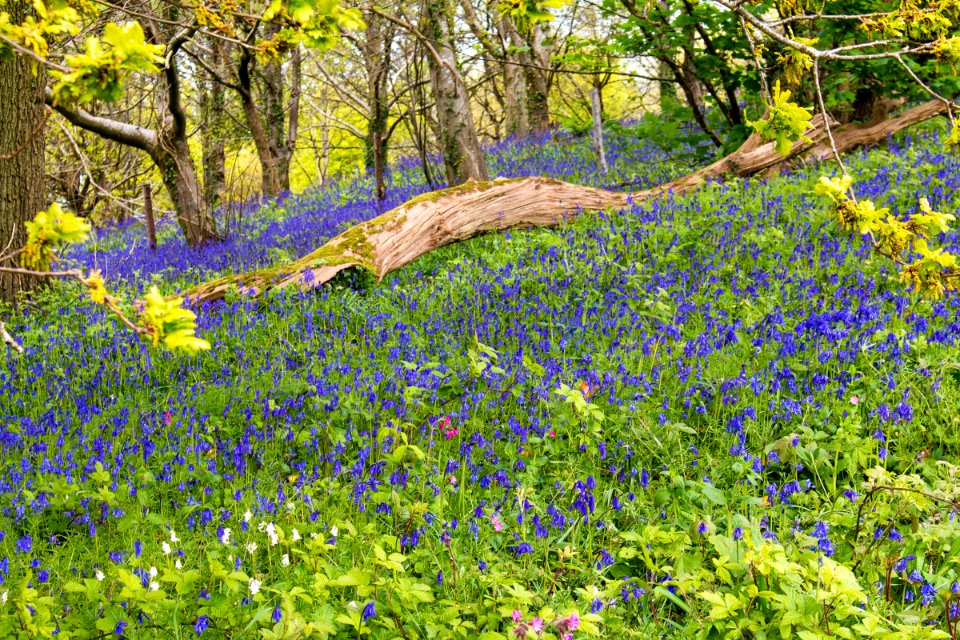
[[462, 156], [293, 118], [172, 157], [376, 59], [668, 90], [538, 85], [433, 220], [281, 114], [596, 110], [515, 98], [22, 117], [533, 60], [213, 107], [270, 179]]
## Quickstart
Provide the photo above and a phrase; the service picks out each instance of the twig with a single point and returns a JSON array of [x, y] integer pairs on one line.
[[826, 116], [8, 339]]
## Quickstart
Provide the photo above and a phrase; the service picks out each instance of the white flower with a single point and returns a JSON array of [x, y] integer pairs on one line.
[[285, 560], [99, 575], [3, 598], [251, 547], [247, 515], [173, 536], [261, 526], [166, 548], [225, 538], [334, 531], [178, 564], [154, 586], [290, 505], [153, 572], [254, 586], [295, 535], [272, 534]]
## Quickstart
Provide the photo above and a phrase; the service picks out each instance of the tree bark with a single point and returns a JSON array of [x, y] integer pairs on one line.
[[596, 111], [293, 117], [22, 118], [376, 59], [433, 220], [270, 178], [213, 106], [462, 156], [281, 109], [538, 82]]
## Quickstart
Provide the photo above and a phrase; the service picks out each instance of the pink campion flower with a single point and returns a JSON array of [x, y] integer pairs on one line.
[[568, 636], [536, 625], [854, 400], [573, 622], [450, 433], [497, 525], [453, 479], [517, 615], [167, 418], [552, 433]]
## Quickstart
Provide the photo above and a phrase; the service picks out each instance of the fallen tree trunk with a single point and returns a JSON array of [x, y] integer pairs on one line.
[[435, 219]]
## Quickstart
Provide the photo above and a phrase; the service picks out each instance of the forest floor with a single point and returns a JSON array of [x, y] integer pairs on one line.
[[701, 415]]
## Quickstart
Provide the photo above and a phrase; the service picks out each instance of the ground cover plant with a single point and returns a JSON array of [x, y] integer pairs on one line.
[[710, 416]]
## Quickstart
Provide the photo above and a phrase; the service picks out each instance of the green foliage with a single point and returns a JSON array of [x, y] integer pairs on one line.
[[53, 19], [168, 322], [48, 231], [99, 73], [785, 123], [529, 12], [933, 271]]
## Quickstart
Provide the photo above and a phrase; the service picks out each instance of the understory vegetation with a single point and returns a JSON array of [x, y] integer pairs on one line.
[[711, 416]]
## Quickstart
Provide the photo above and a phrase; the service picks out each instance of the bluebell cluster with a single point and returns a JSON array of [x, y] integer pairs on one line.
[[708, 329]]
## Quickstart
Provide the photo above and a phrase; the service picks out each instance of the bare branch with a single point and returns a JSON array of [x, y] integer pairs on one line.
[[8, 339]]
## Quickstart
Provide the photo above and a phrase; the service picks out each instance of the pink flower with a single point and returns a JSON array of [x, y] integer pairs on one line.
[[517, 615], [573, 622], [552, 433], [451, 433], [497, 525], [453, 479], [854, 400], [537, 625], [568, 636], [167, 417]]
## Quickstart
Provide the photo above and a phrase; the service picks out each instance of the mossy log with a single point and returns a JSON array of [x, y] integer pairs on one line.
[[439, 218]]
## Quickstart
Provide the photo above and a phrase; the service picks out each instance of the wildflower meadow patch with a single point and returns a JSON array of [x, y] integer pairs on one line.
[[712, 416]]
